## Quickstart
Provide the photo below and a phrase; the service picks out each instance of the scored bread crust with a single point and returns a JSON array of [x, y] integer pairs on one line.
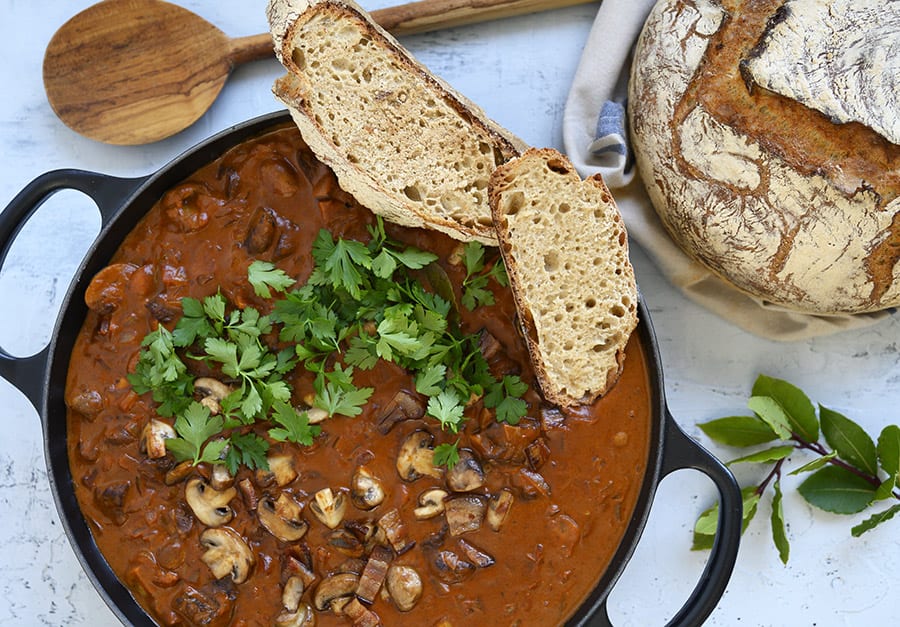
[[782, 201], [399, 139], [566, 252]]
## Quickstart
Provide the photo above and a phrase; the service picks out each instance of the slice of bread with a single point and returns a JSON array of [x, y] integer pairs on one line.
[[566, 252], [400, 140]]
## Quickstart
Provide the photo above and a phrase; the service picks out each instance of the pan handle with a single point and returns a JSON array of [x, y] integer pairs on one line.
[[682, 451], [109, 193]]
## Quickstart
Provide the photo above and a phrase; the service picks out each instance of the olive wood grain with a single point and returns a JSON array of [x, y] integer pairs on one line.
[[132, 72]]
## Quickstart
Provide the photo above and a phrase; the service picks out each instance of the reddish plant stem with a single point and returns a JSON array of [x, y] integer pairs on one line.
[[817, 448]]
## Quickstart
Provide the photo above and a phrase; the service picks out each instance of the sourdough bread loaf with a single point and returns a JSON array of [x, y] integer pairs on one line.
[[766, 135], [566, 252], [400, 140]]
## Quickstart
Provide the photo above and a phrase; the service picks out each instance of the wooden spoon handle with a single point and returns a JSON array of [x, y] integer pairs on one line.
[[417, 17]]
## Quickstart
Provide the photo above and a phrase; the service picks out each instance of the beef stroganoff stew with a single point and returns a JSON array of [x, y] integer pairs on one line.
[[283, 411]]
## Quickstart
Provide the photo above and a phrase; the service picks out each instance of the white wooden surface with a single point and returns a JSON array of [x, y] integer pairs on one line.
[[519, 71]]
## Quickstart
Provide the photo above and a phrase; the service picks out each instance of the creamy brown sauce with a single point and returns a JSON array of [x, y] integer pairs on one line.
[[267, 199]]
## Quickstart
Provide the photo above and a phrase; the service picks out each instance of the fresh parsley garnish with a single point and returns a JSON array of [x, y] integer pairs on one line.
[[361, 304], [446, 454]]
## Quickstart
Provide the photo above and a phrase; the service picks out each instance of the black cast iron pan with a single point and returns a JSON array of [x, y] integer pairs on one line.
[[122, 203]]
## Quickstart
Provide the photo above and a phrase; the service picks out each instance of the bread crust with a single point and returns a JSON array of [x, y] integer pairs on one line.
[[566, 253], [469, 216], [770, 194]]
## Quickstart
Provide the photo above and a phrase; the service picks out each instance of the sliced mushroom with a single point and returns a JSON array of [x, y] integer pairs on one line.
[[431, 503], [154, 436], [404, 406], [366, 490], [416, 457], [464, 514], [298, 563], [212, 392], [395, 532], [467, 474], [374, 574], [533, 483], [475, 555], [498, 509], [329, 507], [220, 478], [404, 586], [282, 517], [226, 554], [209, 505], [334, 588], [303, 616]]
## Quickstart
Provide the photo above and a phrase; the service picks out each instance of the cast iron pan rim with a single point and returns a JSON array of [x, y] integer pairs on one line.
[[118, 221]]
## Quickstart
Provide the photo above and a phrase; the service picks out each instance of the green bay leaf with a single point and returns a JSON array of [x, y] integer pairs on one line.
[[873, 521], [797, 407], [768, 455], [837, 490], [738, 431], [889, 450], [779, 534], [849, 440], [773, 414]]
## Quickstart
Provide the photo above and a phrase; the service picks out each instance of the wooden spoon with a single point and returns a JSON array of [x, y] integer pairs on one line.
[[132, 72]]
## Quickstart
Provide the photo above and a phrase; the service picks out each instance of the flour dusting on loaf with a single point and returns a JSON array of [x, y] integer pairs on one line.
[[566, 253], [403, 142], [797, 206], [839, 57]]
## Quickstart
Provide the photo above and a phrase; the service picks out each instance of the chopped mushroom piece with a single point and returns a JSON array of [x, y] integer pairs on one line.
[[282, 468], [329, 507], [374, 574], [475, 555], [154, 436], [248, 493], [416, 457], [334, 588], [209, 505], [404, 586], [292, 593], [226, 554], [467, 474], [395, 532], [212, 392], [498, 509], [346, 543], [464, 514], [366, 490], [451, 568], [282, 517], [404, 406], [220, 478], [431, 503], [179, 473], [302, 617], [360, 614], [315, 415], [537, 453]]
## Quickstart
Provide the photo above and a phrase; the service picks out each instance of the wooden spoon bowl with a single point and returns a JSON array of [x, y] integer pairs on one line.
[[133, 72]]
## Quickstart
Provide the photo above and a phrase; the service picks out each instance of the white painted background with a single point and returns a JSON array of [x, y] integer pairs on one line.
[[519, 71]]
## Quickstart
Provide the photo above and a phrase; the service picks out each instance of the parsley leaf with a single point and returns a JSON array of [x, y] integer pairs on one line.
[[448, 409], [446, 454], [264, 277], [505, 397], [194, 427], [248, 449], [336, 394], [295, 425]]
